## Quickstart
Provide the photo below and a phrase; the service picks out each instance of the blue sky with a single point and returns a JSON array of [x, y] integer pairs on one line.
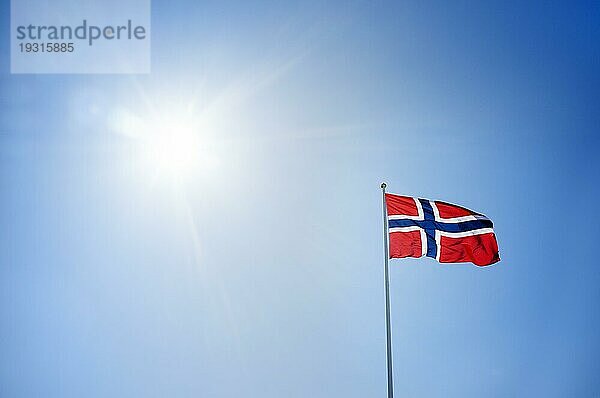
[[259, 271]]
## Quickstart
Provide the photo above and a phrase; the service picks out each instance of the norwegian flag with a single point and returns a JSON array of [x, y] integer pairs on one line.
[[449, 233]]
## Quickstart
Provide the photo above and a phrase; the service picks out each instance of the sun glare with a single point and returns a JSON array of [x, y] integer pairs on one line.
[[169, 143], [173, 147]]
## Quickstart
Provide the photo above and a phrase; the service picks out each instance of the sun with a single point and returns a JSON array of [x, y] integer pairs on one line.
[[170, 142], [172, 146]]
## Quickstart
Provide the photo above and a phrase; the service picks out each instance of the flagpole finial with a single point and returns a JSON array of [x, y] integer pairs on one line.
[[383, 185]]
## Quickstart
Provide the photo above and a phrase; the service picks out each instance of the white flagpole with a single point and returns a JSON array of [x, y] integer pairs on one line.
[[388, 326]]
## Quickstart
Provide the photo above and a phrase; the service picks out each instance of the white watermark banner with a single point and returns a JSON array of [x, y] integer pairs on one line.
[[80, 36]]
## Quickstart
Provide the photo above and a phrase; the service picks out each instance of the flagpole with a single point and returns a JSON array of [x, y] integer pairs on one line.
[[388, 326]]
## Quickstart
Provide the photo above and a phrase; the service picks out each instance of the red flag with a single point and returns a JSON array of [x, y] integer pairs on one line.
[[449, 233]]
